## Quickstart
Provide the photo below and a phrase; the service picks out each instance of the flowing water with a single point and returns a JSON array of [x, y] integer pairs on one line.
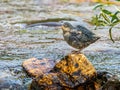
[[21, 41]]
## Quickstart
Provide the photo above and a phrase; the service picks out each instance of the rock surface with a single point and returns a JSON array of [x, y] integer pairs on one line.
[[108, 81], [73, 72], [35, 67], [75, 65]]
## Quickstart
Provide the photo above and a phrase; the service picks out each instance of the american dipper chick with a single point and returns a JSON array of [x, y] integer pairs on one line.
[[78, 37]]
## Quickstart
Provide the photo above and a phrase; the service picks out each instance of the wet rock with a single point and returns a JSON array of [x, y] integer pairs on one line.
[[35, 67]]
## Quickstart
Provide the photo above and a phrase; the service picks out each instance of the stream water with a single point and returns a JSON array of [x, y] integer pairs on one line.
[[20, 41]]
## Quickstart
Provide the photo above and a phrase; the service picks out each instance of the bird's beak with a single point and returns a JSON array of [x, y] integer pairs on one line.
[[62, 27]]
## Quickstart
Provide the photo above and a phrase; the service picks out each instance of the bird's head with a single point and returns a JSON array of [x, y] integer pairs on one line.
[[66, 27]]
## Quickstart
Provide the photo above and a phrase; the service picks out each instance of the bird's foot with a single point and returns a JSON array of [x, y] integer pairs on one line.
[[76, 52]]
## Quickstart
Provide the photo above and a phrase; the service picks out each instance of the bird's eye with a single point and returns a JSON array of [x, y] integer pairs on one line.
[[65, 25]]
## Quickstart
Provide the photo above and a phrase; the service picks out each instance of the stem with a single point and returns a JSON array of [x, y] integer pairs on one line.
[[110, 33]]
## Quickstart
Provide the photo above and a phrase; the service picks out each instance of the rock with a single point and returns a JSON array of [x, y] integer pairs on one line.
[[46, 82], [74, 72], [77, 66], [60, 81], [112, 85], [35, 67]]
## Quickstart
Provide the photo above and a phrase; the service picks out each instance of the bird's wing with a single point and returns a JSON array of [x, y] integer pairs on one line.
[[74, 32], [76, 35], [84, 30], [89, 34]]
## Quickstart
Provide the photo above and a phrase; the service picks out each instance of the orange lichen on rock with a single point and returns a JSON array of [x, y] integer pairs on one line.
[[76, 65], [73, 72], [47, 79]]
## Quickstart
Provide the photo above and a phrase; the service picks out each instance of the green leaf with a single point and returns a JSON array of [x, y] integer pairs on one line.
[[106, 12], [98, 6], [105, 17], [102, 23], [95, 20], [115, 23], [114, 17], [98, 21]]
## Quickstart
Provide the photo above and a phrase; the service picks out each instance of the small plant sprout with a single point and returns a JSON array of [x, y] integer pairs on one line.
[[106, 17]]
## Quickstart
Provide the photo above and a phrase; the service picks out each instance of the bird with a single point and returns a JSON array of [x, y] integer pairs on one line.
[[78, 36]]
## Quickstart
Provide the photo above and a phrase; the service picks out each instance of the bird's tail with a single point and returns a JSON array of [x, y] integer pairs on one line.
[[96, 37]]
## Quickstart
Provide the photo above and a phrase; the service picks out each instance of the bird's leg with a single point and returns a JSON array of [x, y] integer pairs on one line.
[[76, 52], [79, 51]]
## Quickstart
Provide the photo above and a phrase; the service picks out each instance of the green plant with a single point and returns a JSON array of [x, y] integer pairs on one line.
[[106, 17]]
